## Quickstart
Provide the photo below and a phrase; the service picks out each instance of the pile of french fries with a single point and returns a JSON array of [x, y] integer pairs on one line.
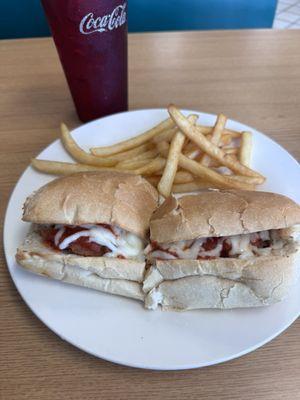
[[177, 156]]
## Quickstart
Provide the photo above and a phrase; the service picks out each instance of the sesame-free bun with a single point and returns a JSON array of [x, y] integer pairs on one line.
[[105, 274], [104, 197], [221, 213], [222, 282]]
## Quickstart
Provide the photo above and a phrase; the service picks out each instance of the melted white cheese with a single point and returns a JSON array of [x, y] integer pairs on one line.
[[163, 255], [154, 299], [240, 244], [59, 234], [68, 240], [241, 247], [121, 243]]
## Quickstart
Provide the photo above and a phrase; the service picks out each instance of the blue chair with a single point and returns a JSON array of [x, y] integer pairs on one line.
[[22, 18], [168, 15], [25, 18]]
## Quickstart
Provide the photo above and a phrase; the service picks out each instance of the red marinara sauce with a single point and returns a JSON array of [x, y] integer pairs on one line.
[[81, 246]]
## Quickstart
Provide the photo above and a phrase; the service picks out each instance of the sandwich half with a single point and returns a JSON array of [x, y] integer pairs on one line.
[[90, 229], [222, 249]]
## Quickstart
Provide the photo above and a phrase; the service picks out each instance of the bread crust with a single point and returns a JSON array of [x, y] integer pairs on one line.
[[105, 197], [110, 275], [222, 282], [221, 213]]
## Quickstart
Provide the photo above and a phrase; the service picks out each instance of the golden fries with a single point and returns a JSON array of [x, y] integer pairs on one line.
[[134, 164], [191, 151], [130, 154], [189, 146], [248, 179], [194, 134], [80, 155], [207, 174], [163, 148], [167, 135], [215, 136], [193, 154], [153, 167], [231, 150], [206, 130], [165, 184], [192, 186], [197, 184], [178, 155], [180, 177], [183, 177], [134, 142], [246, 149], [226, 140], [148, 155], [64, 168], [167, 179]]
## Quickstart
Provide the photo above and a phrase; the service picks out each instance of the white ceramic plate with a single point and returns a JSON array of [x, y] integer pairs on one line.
[[119, 329]]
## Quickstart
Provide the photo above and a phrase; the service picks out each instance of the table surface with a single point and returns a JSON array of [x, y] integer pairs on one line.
[[251, 76]]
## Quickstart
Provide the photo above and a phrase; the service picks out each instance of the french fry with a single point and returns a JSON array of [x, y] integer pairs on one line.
[[248, 179], [163, 148], [193, 186], [212, 176], [152, 167], [80, 155], [167, 135], [226, 139], [197, 184], [194, 134], [165, 184], [144, 156], [180, 177], [233, 154], [231, 150], [134, 164], [64, 168], [191, 151], [189, 146], [208, 174], [135, 141], [214, 164], [215, 136], [194, 154], [206, 130], [129, 154], [246, 149], [183, 177]]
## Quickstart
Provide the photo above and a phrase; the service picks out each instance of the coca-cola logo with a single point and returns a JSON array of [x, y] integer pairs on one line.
[[91, 24]]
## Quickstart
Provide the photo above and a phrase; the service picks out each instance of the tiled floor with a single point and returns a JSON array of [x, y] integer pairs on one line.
[[287, 15]]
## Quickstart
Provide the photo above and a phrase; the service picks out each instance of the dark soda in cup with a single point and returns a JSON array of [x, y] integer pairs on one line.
[[91, 40]]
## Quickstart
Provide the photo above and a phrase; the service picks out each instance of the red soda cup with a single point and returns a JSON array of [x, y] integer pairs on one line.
[[91, 40]]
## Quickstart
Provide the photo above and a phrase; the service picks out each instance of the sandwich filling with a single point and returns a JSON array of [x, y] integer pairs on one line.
[[237, 246], [93, 240]]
